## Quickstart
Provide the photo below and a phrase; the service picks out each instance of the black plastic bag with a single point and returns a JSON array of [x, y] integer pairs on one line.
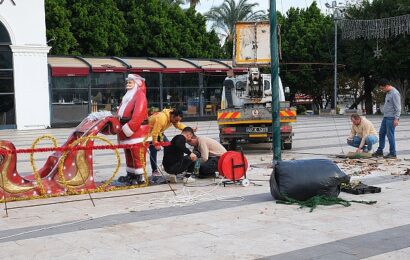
[[303, 179]]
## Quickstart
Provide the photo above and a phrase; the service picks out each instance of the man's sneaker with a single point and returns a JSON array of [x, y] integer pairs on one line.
[[171, 178], [156, 173], [157, 180], [189, 179], [390, 156], [377, 154]]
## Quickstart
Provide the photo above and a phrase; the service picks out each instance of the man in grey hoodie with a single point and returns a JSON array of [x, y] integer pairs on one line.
[[391, 116]]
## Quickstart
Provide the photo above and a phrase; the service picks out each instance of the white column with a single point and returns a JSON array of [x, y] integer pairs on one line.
[[31, 86]]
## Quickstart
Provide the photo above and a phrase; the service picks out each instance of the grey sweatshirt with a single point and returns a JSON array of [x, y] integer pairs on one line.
[[392, 104]]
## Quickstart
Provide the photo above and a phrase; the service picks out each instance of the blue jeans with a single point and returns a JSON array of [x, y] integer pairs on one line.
[[153, 154], [387, 128], [370, 141]]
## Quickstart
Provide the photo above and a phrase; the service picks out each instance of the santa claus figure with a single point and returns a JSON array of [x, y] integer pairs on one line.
[[133, 117]]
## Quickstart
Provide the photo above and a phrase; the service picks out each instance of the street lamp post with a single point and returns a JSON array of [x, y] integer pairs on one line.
[[337, 15], [276, 140]]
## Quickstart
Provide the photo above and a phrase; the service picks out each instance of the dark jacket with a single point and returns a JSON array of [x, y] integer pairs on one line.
[[174, 153]]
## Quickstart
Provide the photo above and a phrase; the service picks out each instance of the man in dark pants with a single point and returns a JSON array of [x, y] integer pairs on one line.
[[210, 150], [158, 123], [391, 112], [175, 162]]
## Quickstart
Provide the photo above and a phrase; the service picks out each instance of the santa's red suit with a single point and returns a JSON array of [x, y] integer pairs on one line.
[[133, 116]]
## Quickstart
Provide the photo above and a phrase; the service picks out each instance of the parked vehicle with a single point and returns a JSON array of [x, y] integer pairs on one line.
[[246, 111]]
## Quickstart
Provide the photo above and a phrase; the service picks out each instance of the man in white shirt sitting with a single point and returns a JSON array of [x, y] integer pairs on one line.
[[210, 150]]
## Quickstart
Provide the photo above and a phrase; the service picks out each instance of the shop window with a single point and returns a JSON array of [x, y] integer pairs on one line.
[[107, 90], [7, 104], [4, 35], [182, 91], [153, 90], [6, 58], [212, 93], [7, 112], [69, 99]]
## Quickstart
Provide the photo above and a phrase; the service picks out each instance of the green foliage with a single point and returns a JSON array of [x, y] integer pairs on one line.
[[301, 110], [323, 200], [59, 32], [394, 63], [98, 27], [395, 60], [307, 38], [156, 28]]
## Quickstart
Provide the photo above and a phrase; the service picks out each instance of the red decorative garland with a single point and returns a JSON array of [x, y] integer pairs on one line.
[[76, 148]]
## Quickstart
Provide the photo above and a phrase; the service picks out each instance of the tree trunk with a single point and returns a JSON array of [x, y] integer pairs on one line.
[[354, 105], [369, 85]]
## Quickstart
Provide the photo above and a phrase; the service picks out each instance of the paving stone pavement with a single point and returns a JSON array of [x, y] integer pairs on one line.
[[212, 221]]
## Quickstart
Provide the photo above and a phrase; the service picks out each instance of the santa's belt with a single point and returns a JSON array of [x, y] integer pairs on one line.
[[125, 120]]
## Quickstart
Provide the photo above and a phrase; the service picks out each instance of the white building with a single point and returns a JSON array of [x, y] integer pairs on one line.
[[24, 91]]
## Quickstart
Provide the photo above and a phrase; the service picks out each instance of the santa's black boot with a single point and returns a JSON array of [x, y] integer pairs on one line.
[[138, 179], [126, 179]]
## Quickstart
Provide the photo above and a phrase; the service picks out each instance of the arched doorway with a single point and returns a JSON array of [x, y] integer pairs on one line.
[[7, 108]]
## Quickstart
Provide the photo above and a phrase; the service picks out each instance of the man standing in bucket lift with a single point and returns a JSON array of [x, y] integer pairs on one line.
[[158, 123], [363, 134], [391, 112]]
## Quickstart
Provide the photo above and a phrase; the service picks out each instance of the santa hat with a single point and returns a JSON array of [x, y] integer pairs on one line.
[[134, 77]]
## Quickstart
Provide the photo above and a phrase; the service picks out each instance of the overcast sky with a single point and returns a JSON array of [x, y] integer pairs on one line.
[[281, 5]]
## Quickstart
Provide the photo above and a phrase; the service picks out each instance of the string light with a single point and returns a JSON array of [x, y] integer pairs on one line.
[[375, 29]]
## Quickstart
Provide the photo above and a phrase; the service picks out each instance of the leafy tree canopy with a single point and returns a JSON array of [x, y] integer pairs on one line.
[[59, 32], [158, 28], [394, 63], [306, 37]]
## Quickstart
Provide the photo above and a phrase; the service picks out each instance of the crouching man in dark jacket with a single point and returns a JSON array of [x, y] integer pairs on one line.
[[177, 157]]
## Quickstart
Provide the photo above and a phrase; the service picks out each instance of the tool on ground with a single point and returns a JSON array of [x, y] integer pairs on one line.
[[359, 188], [233, 166]]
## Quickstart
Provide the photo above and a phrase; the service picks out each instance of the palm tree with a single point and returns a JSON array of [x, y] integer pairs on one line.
[[177, 2], [226, 15], [193, 3]]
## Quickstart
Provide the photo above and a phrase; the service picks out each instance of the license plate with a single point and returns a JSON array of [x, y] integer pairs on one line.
[[256, 129]]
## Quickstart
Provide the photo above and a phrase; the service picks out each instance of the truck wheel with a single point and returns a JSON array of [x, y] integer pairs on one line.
[[287, 146]]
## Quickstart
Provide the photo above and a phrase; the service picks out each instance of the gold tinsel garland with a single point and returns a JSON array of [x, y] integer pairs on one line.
[[76, 142], [33, 166]]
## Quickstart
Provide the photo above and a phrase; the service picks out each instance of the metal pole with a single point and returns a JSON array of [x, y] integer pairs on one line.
[[335, 76], [161, 89], [275, 83]]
